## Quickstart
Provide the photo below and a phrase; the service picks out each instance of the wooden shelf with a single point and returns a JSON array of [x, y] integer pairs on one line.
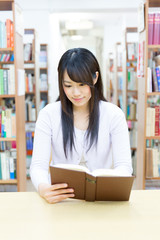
[[153, 138], [6, 5], [44, 68], [132, 60], [132, 91], [11, 181], [6, 50], [130, 67], [132, 120], [43, 91], [31, 93], [153, 94], [154, 46], [26, 62], [30, 121], [8, 96], [153, 178], [7, 139], [6, 62], [29, 69]]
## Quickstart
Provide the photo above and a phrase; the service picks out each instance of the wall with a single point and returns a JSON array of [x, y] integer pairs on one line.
[[47, 25], [39, 20]]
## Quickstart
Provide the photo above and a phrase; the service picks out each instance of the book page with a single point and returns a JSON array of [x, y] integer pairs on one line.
[[104, 173], [72, 167]]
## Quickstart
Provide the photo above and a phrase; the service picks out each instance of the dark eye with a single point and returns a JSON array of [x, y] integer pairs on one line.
[[68, 86], [81, 84]]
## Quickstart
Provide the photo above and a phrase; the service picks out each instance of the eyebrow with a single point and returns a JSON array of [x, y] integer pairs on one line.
[[65, 81]]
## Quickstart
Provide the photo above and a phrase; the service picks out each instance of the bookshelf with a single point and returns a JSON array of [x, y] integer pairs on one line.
[[43, 75], [148, 144], [118, 76], [32, 93], [13, 96], [130, 87], [110, 77], [31, 58]]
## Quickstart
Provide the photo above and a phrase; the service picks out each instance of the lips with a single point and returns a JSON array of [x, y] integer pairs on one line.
[[77, 99]]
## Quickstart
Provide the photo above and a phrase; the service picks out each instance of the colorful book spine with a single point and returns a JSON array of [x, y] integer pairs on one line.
[[150, 28], [8, 32], [157, 112], [11, 168], [12, 35], [7, 165], [0, 168], [157, 69]]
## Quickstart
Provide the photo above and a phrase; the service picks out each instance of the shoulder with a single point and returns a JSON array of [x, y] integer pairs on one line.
[[51, 110], [110, 110], [113, 117]]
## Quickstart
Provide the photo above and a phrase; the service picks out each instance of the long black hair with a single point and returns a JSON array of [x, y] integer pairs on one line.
[[81, 66]]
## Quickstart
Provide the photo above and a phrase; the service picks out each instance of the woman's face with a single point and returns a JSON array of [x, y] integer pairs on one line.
[[78, 93]]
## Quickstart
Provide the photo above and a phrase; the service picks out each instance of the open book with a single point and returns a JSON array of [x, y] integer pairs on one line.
[[100, 185]]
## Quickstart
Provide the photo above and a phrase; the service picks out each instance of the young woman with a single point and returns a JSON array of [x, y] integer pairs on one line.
[[81, 128]]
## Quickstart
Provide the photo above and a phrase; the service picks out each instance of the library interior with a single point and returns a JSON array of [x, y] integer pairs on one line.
[[124, 36]]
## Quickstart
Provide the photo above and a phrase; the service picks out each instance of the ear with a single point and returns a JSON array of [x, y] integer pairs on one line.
[[96, 78]]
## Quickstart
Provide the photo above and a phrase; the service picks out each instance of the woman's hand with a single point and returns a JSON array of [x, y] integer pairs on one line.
[[55, 193]]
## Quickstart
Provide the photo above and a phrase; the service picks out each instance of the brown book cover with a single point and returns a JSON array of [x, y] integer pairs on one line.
[[149, 163], [93, 188]]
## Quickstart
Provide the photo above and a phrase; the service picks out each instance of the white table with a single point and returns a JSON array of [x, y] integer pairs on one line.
[[26, 216]]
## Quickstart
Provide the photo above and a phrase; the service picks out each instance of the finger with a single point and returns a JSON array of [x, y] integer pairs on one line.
[[59, 191], [64, 191], [59, 198], [58, 186]]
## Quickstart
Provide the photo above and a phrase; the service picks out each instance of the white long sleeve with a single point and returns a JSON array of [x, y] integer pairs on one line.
[[112, 150]]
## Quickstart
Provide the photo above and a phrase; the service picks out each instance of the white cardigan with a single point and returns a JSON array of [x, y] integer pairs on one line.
[[113, 143]]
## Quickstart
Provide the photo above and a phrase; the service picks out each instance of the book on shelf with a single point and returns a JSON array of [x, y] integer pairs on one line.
[[30, 113], [43, 103], [100, 185], [132, 80], [150, 28], [43, 59], [153, 121], [134, 161], [7, 165], [43, 82], [154, 26], [7, 34], [5, 145], [153, 70], [152, 163], [29, 142], [131, 111], [150, 121], [7, 123], [132, 51], [28, 56], [6, 57], [120, 82], [120, 101], [29, 82], [7, 79]]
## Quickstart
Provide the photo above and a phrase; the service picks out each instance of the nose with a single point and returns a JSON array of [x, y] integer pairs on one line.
[[76, 91]]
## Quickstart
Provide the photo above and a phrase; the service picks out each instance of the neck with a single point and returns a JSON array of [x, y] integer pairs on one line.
[[81, 110]]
